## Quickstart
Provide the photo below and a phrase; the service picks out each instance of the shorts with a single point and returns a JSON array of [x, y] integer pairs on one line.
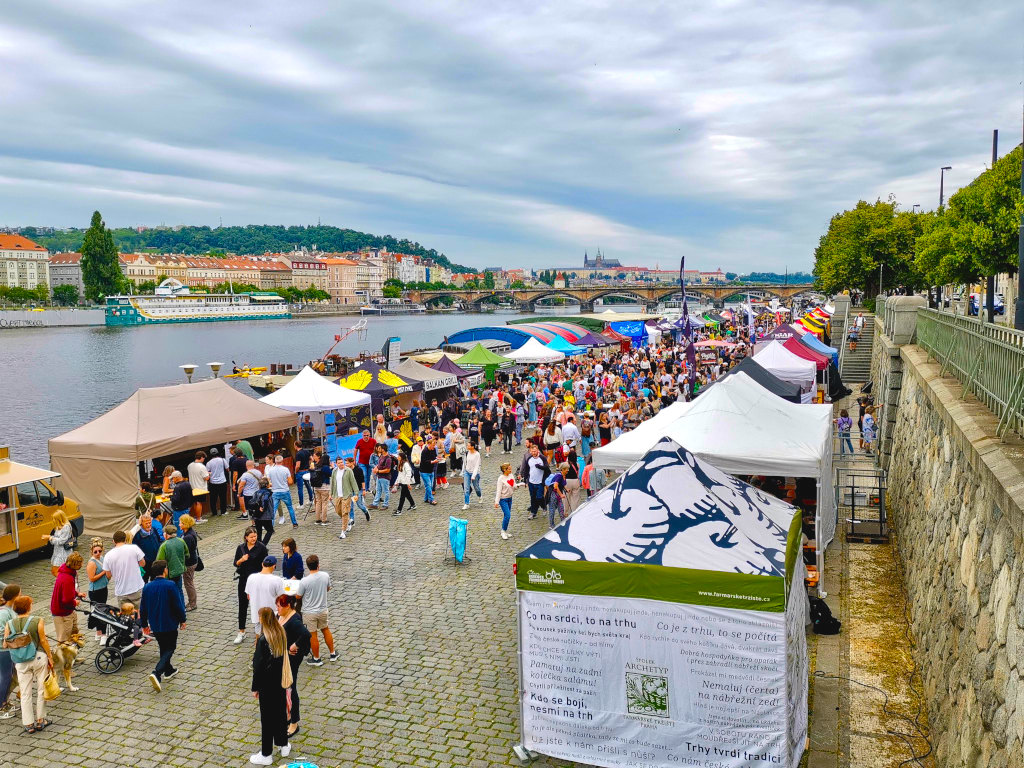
[[65, 627], [315, 621]]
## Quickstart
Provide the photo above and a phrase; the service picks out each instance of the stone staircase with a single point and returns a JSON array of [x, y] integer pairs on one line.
[[856, 365]]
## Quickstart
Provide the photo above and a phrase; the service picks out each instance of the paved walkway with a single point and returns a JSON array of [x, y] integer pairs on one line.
[[428, 673]]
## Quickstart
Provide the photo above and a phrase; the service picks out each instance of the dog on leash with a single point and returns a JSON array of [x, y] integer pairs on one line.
[[64, 657]]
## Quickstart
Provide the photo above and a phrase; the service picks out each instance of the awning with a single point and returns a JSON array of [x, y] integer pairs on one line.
[[13, 473]]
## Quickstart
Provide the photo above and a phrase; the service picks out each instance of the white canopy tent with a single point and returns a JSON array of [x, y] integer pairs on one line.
[[621, 453], [309, 392], [535, 352], [743, 429], [778, 360]]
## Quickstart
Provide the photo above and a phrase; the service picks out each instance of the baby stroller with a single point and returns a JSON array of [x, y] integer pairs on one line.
[[118, 638]]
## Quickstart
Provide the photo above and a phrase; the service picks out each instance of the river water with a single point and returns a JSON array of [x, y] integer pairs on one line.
[[56, 379]]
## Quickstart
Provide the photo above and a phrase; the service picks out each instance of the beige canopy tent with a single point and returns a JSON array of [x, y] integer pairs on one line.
[[99, 460]]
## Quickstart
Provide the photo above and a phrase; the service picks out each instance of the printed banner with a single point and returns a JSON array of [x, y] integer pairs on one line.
[[629, 682]]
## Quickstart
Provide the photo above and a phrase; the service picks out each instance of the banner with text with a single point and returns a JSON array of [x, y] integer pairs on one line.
[[633, 682]]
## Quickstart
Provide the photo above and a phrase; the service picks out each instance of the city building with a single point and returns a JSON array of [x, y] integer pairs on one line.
[[307, 270], [23, 263], [66, 269], [599, 262], [203, 271], [341, 280], [370, 278], [718, 276], [559, 280], [137, 268]]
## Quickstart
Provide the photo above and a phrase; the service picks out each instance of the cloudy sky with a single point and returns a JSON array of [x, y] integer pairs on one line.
[[504, 133]]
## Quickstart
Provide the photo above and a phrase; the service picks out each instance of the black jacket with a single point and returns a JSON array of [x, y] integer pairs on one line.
[[181, 496], [191, 540], [524, 468], [266, 669], [298, 636], [255, 562]]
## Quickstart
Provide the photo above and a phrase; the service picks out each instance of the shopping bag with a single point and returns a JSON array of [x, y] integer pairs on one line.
[[51, 688], [457, 537]]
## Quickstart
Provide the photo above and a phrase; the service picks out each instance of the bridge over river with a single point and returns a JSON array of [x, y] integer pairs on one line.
[[644, 294]]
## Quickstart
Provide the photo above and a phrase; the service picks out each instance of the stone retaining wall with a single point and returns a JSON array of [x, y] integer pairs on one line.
[[954, 499], [50, 318]]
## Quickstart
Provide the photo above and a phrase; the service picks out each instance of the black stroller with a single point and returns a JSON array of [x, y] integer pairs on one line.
[[119, 640]]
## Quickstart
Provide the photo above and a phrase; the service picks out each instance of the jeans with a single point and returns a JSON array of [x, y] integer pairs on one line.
[[168, 642], [361, 503], [519, 432], [367, 473], [428, 485], [6, 675], [264, 529], [177, 581], [506, 444], [382, 496], [845, 444], [286, 497], [506, 512], [555, 505], [469, 484], [536, 497], [302, 480]]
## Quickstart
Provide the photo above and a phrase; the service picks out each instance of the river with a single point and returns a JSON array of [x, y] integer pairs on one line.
[[56, 379]]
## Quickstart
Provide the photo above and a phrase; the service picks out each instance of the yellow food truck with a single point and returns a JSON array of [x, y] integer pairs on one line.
[[27, 504]]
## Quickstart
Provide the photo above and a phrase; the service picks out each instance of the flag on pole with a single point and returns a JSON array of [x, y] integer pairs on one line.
[[691, 351]]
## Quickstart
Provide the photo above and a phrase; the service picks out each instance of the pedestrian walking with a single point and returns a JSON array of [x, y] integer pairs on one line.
[[534, 470], [163, 611], [25, 640], [313, 589], [7, 710], [249, 556], [381, 474], [303, 466], [319, 480], [65, 599], [343, 492], [217, 482], [188, 579], [298, 637], [280, 484], [471, 475], [555, 483], [504, 489], [402, 483], [844, 424], [174, 552], [262, 510], [428, 461], [271, 679], [263, 588]]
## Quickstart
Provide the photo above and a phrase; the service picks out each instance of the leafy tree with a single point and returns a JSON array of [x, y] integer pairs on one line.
[[392, 292], [394, 282], [517, 285], [236, 287], [101, 272], [862, 239], [147, 286], [489, 280], [315, 294], [67, 295]]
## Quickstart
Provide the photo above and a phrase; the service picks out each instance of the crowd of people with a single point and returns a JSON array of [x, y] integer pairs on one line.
[[548, 419]]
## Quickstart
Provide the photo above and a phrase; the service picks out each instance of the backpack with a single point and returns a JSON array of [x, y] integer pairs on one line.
[[316, 477], [822, 619], [20, 644]]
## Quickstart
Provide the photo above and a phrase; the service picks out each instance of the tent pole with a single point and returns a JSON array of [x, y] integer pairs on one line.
[[521, 752], [819, 552]]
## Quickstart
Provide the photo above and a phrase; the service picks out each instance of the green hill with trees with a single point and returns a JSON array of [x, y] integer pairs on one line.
[[250, 239]]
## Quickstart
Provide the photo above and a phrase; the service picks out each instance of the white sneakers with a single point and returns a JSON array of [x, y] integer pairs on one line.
[[239, 638], [261, 759], [342, 536], [465, 506], [479, 499], [504, 534]]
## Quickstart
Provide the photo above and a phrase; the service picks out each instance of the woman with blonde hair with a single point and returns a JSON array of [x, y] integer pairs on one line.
[[98, 582], [62, 540], [167, 486], [271, 681], [187, 523]]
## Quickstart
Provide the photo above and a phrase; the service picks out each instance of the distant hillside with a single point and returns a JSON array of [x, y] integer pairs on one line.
[[258, 238], [796, 278]]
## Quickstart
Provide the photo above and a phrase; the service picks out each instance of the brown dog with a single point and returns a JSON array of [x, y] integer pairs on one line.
[[64, 656]]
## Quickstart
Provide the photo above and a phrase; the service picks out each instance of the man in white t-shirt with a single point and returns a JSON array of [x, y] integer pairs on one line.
[[198, 474], [262, 589], [280, 478], [122, 565]]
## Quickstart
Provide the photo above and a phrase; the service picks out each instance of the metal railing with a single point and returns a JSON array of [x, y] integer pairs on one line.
[[988, 360], [840, 325]]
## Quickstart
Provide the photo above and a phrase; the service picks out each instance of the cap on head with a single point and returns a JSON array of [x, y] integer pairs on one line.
[[269, 561]]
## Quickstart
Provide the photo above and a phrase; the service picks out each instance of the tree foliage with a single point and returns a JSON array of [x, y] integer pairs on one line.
[[17, 295], [392, 292], [101, 272], [977, 235], [66, 295], [864, 238], [250, 239]]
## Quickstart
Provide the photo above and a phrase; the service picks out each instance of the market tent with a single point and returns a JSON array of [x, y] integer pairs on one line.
[[535, 352], [691, 585], [813, 342], [783, 332], [377, 382], [446, 365], [433, 378], [99, 460], [309, 392], [483, 358], [561, 345], [782, 363], [623, 451], [590, 339], [634, 330], [768, 380], [801, 350]]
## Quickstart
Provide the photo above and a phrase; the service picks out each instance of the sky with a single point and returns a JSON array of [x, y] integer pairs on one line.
[[504, 133]]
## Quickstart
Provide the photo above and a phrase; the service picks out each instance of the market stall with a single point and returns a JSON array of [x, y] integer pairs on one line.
[[435, 381], [559, 344], [446, 364], [665, 620], [482, 358], [782, 363], [381, 385], [768, 380], [533, 352], [99, 461]]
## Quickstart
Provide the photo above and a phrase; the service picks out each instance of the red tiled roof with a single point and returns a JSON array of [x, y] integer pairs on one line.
[[18, 243], [59, 259]]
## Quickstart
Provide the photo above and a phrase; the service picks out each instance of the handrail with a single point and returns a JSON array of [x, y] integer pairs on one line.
[[845, 331], [988, 359]]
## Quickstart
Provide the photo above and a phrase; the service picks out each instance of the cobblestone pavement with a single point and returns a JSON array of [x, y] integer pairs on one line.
[[428, 672]]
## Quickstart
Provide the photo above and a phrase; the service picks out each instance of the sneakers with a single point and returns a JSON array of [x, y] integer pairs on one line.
[[155, 682], [295, 525], [242, 517], [341, 535], [169, 675], [286, 750], [313, 661], [201, 520], [396, 513], [349, 527], [279, 521], [412, 507], [7, 712], [367, 516], [239, 638], [260, 759], [465, 506], [335, 657], [504, 534], [480, 500]]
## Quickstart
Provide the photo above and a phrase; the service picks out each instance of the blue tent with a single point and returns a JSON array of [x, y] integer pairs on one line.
[[634, 330], [561, 345], [812, 341]]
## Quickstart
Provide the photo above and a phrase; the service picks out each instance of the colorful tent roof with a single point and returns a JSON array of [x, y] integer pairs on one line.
[[812, 341], [447, 365], [481, 357], [783, 332], [800, 350], [378, 382], [590, 339], [535, 352], [309, 392], [561, 345]]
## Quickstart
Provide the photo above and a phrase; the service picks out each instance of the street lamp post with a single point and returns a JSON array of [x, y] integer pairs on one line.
[[942, 182], [189, 369], [990, 283]]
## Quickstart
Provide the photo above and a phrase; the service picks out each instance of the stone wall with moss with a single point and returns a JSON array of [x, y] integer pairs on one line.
[[954, 499]]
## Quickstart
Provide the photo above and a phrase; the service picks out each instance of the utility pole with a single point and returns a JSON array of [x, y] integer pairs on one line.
[[990, 283], [942, 183]]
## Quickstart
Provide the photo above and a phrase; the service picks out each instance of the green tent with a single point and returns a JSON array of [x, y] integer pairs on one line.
[[481, 357]]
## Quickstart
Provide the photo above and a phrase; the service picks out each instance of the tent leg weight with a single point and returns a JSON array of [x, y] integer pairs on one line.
[[523, 754]]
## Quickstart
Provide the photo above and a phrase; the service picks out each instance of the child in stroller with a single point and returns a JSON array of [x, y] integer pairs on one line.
[[122, 635]]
